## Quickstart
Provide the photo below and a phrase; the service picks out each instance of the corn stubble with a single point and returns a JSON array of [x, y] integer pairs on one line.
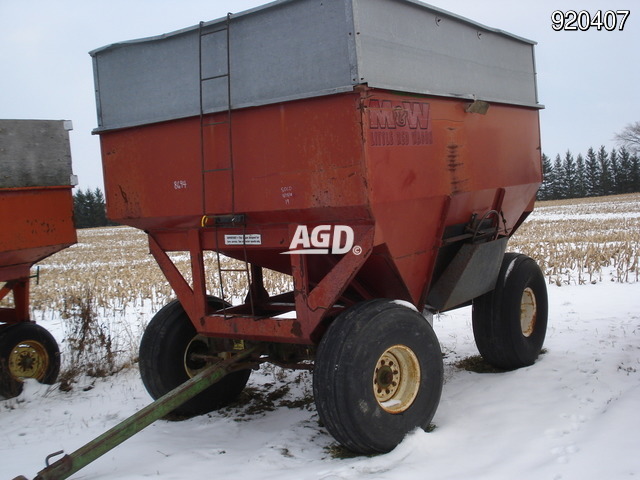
[[584, 241]]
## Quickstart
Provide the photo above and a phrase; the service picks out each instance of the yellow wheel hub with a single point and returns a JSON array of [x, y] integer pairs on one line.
[[28, 359], [396, 379]]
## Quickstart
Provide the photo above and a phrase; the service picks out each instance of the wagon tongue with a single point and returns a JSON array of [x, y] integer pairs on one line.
[[71, 463]]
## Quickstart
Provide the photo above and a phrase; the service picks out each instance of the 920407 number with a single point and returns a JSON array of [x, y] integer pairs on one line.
[[583, 20]]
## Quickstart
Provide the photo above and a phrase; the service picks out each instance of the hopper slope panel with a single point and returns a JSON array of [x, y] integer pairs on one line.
[[432, 165], [34, 223], [420, 147]]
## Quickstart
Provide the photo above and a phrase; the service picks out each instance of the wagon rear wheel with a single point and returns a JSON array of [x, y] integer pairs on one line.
[[27, 351], [378, 375], [510, 322], [171, 352]]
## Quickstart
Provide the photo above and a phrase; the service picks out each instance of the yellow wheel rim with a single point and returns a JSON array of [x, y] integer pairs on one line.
[[396, 379], [528, 312], [28, 359], [198, 355]]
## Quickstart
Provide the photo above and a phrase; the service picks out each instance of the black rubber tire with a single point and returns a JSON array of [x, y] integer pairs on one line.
[[38, 356], [497, 328], [162, 364], [345, 365]]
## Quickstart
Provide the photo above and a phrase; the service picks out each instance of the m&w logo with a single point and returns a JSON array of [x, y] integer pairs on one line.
[[395, 123]]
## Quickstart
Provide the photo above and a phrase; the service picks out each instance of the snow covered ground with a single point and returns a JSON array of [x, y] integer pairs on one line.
[[575, 414]]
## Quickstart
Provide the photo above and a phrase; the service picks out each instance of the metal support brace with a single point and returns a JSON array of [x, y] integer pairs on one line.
[[20, 311]]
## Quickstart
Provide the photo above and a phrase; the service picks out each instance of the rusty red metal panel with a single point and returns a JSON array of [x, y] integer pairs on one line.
[[297, 161], [35, 223], [432, 164], [153, 174]]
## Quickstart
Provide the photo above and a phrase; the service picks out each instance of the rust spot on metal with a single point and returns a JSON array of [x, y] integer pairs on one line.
[[453, 165], [409, 179], [123, 194], [452, 155], [296, 329]]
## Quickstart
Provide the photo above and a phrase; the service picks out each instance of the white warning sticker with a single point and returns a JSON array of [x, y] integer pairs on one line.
[[248, 239]]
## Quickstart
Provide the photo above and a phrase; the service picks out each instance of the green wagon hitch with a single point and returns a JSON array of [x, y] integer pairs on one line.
[[73, 462]]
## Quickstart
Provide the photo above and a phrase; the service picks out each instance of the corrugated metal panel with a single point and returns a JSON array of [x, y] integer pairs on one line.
[[35, 153], [148, 81], [409, 46], [294, 49]]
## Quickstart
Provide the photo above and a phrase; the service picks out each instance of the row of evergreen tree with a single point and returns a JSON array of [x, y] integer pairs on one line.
[[598, 173], [89, 209]]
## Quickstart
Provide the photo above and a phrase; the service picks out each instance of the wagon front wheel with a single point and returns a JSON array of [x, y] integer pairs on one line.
[[27, 350], [510, 322], [378, 375], [172, 351]]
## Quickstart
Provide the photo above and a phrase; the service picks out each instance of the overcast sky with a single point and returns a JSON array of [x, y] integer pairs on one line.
[[588, 81]]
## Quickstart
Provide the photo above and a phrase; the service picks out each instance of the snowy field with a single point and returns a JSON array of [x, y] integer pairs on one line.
[[575, 414]]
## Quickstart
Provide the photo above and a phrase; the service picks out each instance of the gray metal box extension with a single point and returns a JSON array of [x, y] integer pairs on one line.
[[35, 153], [292, 49]]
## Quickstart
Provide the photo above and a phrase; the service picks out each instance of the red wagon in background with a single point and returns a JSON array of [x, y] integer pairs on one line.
[[36, 220], [381, 152]]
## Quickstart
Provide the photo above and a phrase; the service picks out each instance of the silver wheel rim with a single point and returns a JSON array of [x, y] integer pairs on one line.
[[396, 379]]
